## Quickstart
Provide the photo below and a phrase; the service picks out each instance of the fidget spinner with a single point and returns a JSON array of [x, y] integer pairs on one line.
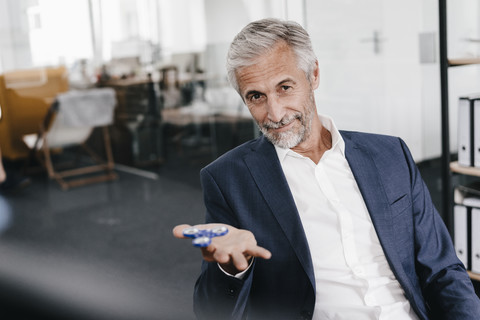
[[203, 238]]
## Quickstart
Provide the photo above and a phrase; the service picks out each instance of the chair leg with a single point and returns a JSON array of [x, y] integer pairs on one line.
[[108, 148], [102, 165], [52, 174], [48, 159]]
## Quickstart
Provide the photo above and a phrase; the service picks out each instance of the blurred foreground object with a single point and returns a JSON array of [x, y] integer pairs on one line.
[[45, 285]]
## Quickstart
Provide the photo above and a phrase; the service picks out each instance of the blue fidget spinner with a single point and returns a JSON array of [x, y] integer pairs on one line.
[[203, 238]]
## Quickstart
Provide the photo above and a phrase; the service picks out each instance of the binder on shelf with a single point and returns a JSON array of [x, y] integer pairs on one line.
[[475, 232], [476, 132], [460, 227], [469, 131], [465, 130]]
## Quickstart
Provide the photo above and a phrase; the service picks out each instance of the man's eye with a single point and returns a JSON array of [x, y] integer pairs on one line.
[[255, 96], [285, 88]]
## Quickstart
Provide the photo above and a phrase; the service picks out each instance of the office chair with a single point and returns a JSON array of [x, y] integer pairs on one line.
[[69, 122]]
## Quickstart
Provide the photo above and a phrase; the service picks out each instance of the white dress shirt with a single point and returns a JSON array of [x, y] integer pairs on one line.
[[353, 278]]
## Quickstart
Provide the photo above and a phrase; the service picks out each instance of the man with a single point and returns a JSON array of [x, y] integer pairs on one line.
[[322, 224]]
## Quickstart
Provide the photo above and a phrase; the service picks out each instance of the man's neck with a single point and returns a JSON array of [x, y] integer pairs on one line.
[[319, 141]]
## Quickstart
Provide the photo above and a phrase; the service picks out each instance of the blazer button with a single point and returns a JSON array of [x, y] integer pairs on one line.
[[231, 292]]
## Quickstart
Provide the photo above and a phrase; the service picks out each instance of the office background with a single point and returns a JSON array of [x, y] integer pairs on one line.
[[106, 248]]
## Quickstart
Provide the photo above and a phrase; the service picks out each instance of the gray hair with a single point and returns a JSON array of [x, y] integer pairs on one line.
[[260, 36]]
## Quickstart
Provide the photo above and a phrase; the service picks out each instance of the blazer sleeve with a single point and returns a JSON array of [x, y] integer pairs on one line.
[[447, 288], [217, 295]]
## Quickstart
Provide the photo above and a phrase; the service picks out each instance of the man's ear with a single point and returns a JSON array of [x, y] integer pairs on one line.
[[315, 77]]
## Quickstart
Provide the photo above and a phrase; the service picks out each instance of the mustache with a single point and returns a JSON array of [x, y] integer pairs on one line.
[[284, 121]]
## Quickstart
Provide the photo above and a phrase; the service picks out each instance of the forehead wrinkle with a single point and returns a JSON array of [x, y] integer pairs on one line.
[[269, 70], [259, 79]]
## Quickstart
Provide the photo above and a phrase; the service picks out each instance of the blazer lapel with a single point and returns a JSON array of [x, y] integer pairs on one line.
[[372, 189], [266, 170]]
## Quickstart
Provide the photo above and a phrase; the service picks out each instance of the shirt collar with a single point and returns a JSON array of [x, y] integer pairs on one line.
[[337, 140]]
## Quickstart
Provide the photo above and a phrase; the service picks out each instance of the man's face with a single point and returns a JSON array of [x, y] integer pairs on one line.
[[279, 96]]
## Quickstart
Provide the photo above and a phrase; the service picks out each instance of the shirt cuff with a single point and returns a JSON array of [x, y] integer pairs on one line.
[[239, 275]]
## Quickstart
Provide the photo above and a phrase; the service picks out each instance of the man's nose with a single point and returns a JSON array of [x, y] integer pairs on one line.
[[275, 109]]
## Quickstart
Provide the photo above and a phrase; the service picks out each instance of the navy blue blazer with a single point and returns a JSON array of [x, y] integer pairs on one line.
[[246, 188]]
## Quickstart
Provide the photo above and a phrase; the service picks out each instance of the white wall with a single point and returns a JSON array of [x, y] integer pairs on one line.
[[226, 18], [14, 40], [183, 26], [430, 85], [362, 89]]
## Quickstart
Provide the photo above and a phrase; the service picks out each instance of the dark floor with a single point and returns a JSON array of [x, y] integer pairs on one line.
[[106, 251], [106, 248]]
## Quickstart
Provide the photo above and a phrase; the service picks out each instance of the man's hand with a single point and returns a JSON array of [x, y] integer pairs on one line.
[[232, 251]]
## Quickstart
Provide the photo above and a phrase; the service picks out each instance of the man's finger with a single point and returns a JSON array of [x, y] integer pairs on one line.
[[239, 261], [178, 230], [259, 252], [220, 256]]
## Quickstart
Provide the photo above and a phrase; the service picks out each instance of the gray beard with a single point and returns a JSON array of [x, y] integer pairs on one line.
[[285, 140], [288, 139]]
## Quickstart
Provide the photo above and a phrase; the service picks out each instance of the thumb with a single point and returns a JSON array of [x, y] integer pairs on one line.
[[178, 230]]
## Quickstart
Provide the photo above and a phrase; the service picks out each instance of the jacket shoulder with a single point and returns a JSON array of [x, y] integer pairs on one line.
[[233, 156], [369, 138], [375, 143]]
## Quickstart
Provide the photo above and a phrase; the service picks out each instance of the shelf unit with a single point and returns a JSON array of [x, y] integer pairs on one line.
[[449, 167], [469, 171], [463, 62], [474, 276]]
